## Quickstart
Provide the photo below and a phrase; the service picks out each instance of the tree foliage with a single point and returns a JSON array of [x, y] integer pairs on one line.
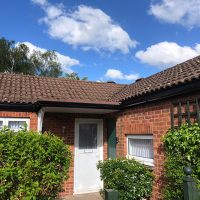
[[32, 166], [46, 63], [19, 59], [14, 58], [182, 147], [74, 76]]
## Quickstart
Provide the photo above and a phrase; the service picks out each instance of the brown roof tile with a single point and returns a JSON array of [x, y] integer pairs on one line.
[[18, 88], [171, 77]]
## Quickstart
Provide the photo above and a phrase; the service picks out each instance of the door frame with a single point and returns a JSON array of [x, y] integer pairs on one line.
[[100, 131], [111, 137]]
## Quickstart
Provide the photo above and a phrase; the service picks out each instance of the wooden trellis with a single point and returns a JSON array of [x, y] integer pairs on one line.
[[185, 112]]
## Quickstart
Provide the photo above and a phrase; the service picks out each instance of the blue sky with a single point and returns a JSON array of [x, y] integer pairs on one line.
[[107, 40]]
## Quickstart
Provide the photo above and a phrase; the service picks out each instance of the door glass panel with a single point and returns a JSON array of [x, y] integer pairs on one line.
[[16, 125], [87, 136]]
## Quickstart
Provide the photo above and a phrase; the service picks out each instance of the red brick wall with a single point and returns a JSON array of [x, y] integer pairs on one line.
[[150, 119], [31, 115], [54, 122]]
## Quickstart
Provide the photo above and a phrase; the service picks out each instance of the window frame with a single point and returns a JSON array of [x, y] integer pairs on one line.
[[6, 121], [145, 161]]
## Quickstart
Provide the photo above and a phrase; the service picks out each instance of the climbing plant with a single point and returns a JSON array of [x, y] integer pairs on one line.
[[182, 146]]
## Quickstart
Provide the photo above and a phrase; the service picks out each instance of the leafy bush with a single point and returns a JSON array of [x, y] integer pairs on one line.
[[182, 149], [132, 179], [32, 166]]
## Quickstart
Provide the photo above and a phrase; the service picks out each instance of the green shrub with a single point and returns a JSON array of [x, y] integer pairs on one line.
[[182, 147], [32, 166], [132, 179]]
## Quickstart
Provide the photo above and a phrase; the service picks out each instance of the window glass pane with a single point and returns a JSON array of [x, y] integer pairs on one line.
[[141, 148], [16, 125], [1, 124], [87, 136]]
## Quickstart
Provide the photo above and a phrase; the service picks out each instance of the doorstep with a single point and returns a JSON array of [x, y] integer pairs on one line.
[[89, 196]]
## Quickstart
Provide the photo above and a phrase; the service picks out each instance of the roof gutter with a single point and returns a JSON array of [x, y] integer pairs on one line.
[[187, 88], [78, 105], [37, 106], [18, 107]]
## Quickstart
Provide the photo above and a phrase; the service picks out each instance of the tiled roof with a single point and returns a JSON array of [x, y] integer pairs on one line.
[[18, 88], [171, 77]]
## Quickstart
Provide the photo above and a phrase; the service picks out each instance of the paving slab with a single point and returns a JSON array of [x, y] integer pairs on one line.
[[90, 196]]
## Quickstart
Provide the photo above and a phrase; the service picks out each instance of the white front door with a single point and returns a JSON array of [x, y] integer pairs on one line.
[[88, 151]]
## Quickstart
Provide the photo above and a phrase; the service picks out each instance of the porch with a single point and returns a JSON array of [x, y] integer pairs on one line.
[[91, 135]]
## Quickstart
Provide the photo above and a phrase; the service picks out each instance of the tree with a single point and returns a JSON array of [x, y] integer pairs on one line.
[[14, 58], [18, 59], [46, 63], [75, 76], [5, 52]]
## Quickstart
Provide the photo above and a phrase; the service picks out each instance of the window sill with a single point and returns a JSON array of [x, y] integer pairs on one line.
[[144, 161]]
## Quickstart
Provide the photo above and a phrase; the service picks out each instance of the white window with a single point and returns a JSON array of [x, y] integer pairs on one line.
[[14, 124], [140, 147]]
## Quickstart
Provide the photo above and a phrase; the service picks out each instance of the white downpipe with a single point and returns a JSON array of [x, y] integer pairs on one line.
[[40, 119]]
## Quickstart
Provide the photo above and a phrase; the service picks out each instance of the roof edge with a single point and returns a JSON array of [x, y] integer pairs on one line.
[[38, 105], [178, 90], [109, 105]]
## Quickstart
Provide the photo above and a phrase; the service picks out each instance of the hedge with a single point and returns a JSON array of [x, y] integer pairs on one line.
[[182, 146], [132, 179], [32, 165]]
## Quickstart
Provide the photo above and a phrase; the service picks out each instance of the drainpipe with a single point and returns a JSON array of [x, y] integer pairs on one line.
[[40, 119]]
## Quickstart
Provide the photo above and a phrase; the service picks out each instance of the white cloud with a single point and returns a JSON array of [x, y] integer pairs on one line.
[[117, 74], [166, 54], [85, 27], [40, 2], [131, 77], [53, 11], [114, 74], [184, 12], [65, 61]]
